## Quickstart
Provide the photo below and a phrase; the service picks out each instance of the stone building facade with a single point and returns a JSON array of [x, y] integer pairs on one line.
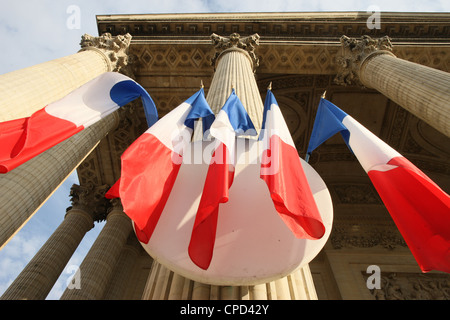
[[394, 80]]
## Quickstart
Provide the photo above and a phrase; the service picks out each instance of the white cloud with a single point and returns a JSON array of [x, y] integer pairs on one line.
[[16, 255]]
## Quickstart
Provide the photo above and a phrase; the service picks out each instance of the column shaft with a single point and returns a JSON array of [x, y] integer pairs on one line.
[[122, 272], [24, 189], [41, 273], [235, 70], [27, 90], [98, 265], [423, 91], [163, 284]]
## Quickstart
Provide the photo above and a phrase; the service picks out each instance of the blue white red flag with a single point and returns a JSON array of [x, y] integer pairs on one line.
[[23, 139], [283, 173], [151, 164], [419, 207], [231, 121]]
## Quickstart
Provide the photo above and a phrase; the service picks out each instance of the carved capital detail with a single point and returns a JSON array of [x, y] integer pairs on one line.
[[355, 52], [411, 286], [114, 49], [235, 42], [91, 200]]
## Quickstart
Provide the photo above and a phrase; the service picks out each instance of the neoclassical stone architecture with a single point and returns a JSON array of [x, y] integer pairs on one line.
[[394, 80]]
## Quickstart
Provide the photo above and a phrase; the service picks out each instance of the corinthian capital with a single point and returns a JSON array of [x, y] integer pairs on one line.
[[355, 52], [235, 42], [91, 200], [114, 49]]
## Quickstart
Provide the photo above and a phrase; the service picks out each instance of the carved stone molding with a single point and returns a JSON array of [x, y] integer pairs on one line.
[[353, 193], [114, 50], [355, 53], [412, 286], [364, 236], [234, 42], [278, 25], [116, 204], [292, 58]]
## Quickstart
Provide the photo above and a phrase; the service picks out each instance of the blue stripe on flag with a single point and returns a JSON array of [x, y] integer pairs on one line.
[[328, 122], [200, 109], [126, 91], [239, 118]]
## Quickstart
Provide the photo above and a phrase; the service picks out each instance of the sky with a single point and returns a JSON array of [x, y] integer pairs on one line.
[[36, 31]]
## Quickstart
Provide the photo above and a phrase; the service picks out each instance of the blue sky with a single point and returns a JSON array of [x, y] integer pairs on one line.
[[35, 31]]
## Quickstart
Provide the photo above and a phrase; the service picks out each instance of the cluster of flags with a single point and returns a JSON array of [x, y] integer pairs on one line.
[[420, 209], [151, 164], [231, 121]]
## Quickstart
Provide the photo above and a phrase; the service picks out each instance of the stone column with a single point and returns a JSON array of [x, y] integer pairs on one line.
[[30, 89], [39, 276], [27, 90], [24, 189], [423, 91], [235, 61], [164, 284], [98, 265], [123, 270]]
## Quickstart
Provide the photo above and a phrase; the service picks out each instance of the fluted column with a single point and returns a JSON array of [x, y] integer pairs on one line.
[[25, 91], [38, 278], [235, 61], [423, 91], [24, 189], [123, 269], [164, 284], [97, 267]]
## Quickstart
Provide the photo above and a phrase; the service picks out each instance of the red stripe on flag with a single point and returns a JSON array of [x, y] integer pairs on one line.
[[23, 139], [148, 174], [113, 192], [421, 211], [215, 191], [283, 173]]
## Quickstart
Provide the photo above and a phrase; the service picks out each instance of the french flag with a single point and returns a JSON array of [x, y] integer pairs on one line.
[[283, 173], [23, 139], [150, 165], [419, 207], [231, 121]]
